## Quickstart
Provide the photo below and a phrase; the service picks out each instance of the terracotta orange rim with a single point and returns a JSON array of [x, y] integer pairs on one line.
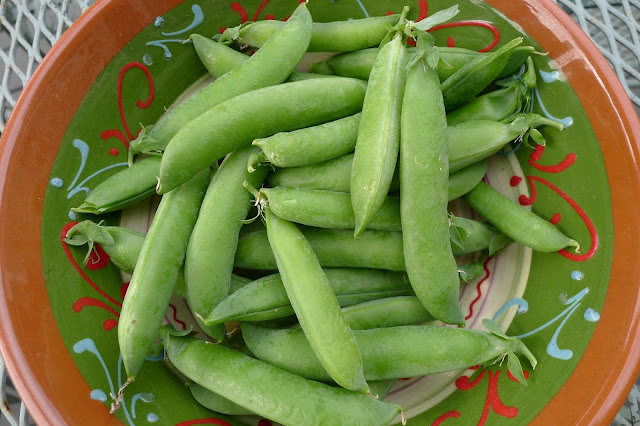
[[39, 362]]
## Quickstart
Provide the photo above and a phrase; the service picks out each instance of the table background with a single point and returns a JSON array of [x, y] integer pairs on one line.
[[28, 29]]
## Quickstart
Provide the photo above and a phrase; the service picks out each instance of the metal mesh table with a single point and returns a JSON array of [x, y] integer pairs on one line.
[[28, 29]]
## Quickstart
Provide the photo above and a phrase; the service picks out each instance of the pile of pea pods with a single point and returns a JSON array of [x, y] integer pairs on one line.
[[348, 170]]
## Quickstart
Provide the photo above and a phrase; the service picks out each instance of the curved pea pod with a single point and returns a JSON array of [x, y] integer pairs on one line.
[[315, 304], [518, 57], [270, 391], [473, 141], [328, 209], [388, 353], [122, 189], [234, 124], [334, 175], [337, 36], [496, 106], [387, 312], [517, 222], [212, 246], [267, 67], [157, 271], [266, 298], [336, 248], [217, 58], [473, 77], [308, 146], [215, 402], [378, 140], [424, 172]]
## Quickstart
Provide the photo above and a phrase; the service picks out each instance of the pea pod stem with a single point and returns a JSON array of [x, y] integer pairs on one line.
[[388, 353]]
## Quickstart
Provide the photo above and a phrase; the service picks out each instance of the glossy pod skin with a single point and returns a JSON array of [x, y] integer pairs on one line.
[[217, 58], [157, 271], [122, 189], [235, 123], [517, 222], [388, 353], [315, 304], [379, 133], [269, 391], [473, 77], [387, 312], [336, 248], [266, 298], [334, 175], [358, 64], [308, 146], [424, 172], [339, 36], [270, 66], [212, 246]]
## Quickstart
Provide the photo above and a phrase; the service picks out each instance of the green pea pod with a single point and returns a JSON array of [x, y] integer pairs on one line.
[[235, 123], [270, 66], [496, 106], [315, 304], [388, 312], [336, 248], [328, 209], [215, 402], [388, 353], [337, 36], [379, 133], [123, 189], [424, 172], [266, 298], [517, 222], [209, 259], [472, 78], [333, 175], [269, 391], [217, 58], [308, 146], [157, 270], [358, 64], [299, 76]]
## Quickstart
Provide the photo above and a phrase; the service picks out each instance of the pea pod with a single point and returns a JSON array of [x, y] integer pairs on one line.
[[122, 189], [217, 58], [473, 77], [308, 146], [379, 132], [517, 222], [269, 391], [270, 66], [388, 353], [337, 36], [387, 312], [336, 248], [358, 64], [235, 123], [157, 271], [424, 171], [266, 298], [498, 104], [334, 175], [212, 246], [315, 304]]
